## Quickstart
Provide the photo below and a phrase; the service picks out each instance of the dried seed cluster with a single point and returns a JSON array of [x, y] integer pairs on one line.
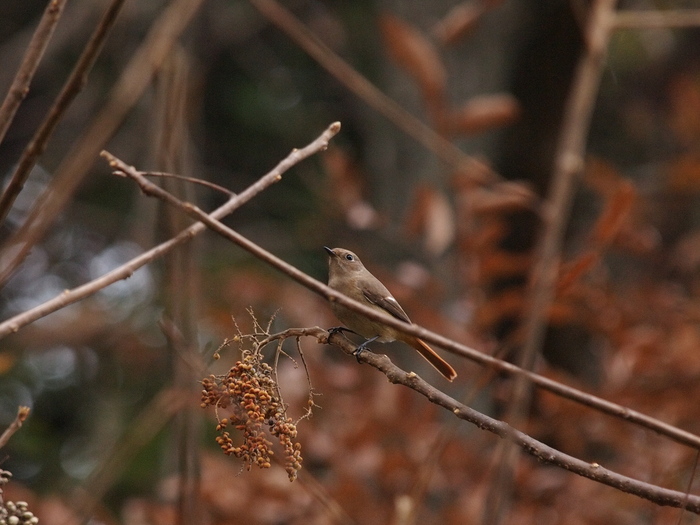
[[250, 395], [14, 513]]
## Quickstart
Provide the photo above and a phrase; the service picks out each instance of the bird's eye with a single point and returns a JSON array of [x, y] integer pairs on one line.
[[349, 257]]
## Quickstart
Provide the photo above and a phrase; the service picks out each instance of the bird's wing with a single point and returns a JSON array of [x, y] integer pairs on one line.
[[388, 303]]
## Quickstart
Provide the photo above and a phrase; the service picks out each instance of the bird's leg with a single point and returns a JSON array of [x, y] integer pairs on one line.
[[340, 330], [359, 349], [363, 347]]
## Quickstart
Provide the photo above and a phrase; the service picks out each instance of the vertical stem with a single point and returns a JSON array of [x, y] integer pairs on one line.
[[181, 284], [569, 161]]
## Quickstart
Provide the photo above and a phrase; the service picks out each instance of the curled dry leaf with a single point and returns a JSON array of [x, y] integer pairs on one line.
[[414, 53], [502, 198], [483, 113]]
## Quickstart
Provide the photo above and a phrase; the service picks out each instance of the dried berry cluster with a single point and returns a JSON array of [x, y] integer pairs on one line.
[[14, 513], [249, 393]]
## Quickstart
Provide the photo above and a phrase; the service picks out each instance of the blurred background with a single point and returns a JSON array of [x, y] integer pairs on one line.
[[455, 244]]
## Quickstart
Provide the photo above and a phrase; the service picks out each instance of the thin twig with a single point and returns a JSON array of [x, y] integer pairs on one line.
[[22, 415], [70, 90], [657, 19], [318, 287], [75, 166], [539, 450], [691, 478], [193, 180], [180, 286], [126, 270], [318, 490], [177, 341], [368, 92], [150, 421], [35, 51]]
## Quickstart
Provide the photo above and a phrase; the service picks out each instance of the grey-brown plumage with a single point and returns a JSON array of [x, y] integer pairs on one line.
[[347, 274]]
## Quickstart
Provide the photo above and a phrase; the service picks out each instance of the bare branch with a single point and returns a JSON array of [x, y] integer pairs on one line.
[[193, 180], [368, 92], [35, 51], [318, 287], [126, 270], [151, 420], [657, 19], [131, 84], [568, 164], [539, 450], [71, 88], [22, 415]]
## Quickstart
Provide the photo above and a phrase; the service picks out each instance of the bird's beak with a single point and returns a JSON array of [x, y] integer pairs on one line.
[[330, 251]]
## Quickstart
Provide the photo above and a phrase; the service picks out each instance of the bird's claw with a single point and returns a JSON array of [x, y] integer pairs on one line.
[[363, 347]]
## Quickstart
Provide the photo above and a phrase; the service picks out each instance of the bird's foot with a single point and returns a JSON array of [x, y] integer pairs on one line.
[[363, 347], [340, 330]]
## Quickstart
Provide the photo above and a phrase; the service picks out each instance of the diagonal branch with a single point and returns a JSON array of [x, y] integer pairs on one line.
[[539, 450], [76, 164], [153, 417], [597, 403], [126, 270], [70, 90], [368, 92], [35, 51]]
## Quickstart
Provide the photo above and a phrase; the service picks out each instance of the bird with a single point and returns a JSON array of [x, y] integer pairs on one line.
[[347, 275]]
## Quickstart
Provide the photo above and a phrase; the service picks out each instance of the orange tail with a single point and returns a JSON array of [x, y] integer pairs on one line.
[[433, 358]]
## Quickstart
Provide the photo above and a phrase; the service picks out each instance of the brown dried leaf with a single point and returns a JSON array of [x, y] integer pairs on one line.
[[483, 113], [347, 187], [346, 181], [457, 23], [684, 102], [474, 173], [503, 197], [574, 270], [639, 240], [562, 313], [504, 264], [508, 303], [601, 176], [413, 52], [616, 212], [686, 253], [432, 216], [487, 236], [684, 174]]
